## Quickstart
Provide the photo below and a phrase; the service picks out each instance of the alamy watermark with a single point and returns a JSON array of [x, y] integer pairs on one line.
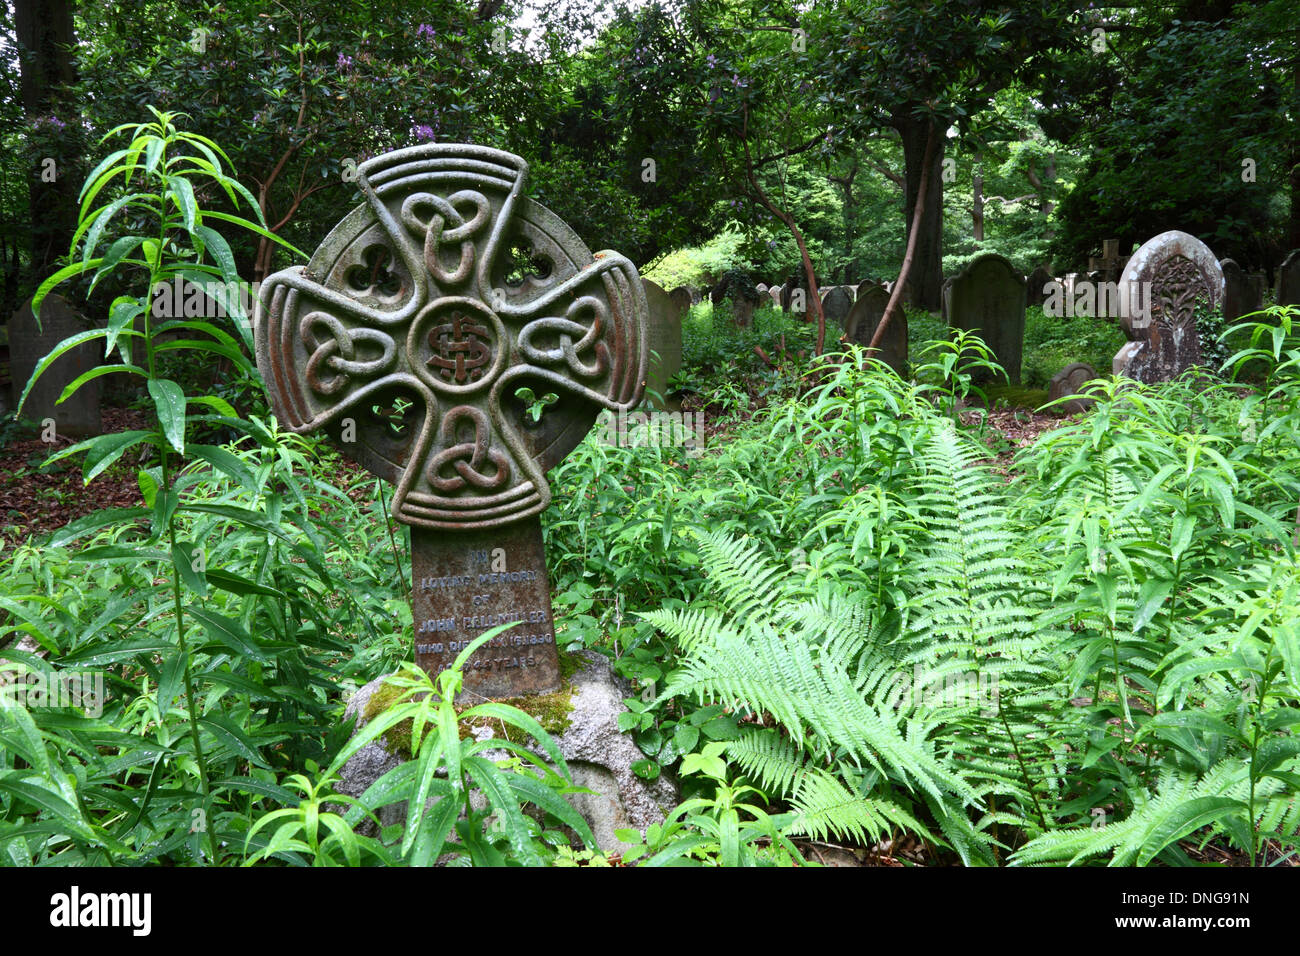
[[81, 689], [653, 429], [183, 299], [920, 689], [1085, 297]]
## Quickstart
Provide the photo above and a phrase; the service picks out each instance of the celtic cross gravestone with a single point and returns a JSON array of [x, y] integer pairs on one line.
[[459, 340]]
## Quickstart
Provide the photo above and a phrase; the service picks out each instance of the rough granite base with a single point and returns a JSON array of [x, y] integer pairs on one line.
[[599, 756]]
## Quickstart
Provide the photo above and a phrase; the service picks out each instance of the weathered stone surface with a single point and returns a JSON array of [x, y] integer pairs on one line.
[[665, 333], [450, 290], [1120, 363], [1238, 292], [774, 293], [1035, 294], [862, 320], [599, 756], [762, 288], [988, 297], [1070, 381], [1159, 290], [836, 304], [863, 286], [79, 416], [1288, 280]]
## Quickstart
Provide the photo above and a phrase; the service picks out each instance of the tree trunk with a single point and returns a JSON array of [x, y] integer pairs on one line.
[[1045, 205], [46, 40], [814, 303], [1294, 230], [926, 282], [894, 308]]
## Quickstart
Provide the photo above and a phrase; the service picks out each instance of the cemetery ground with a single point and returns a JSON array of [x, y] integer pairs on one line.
[[1060, 634]]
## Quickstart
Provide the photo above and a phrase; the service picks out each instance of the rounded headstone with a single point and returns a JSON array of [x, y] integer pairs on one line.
[[665, 341], [836, 304], [79, 416], [863, 319], [1035, 293], [1239, 292], [988, 297], [1159, 290], [1070, 381], [1288, 280]]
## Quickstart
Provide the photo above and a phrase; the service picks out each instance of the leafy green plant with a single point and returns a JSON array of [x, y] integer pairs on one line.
[[448, 763], [955, 367], [718, 830]]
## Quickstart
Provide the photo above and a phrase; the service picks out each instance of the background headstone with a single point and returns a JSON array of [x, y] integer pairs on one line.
[[79, 416], [836, 304], [1070, 381], [862, 320], [1175, 270], [1034, 294], [988, 296], [1288, 280], [681, 297], [665, 341], [1239, 292], [774, 293]]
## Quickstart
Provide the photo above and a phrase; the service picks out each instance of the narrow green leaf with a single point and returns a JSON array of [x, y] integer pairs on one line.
[[169, 400]]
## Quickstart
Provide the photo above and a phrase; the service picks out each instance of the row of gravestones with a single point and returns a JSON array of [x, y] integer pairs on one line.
[[987, 295]]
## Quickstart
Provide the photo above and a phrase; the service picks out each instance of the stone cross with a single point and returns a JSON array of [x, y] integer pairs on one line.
[[459, 340]]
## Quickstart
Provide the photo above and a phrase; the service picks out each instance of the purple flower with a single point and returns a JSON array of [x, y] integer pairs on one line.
[[423, 132], [712, 61], [345, 62], [424, 29]]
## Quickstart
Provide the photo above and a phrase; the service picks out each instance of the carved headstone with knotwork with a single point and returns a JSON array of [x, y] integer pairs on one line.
[[459, 340], [1161, 288]]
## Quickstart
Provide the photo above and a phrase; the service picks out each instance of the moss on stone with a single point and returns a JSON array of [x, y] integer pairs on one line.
[[552, 711], [1017, 396]]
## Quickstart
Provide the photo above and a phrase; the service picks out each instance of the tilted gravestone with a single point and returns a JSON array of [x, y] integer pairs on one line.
[[862, 287], [665, 341], [988, 297], [1071, 381], [836, 304], [774, 293], [418, 373], [79, 416], [1288, 280], [864, 318], [1159, 289], [1035, 293], [1239, 292]]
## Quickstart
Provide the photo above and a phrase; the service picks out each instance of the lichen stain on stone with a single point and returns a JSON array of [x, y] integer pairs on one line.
[[552, 711]]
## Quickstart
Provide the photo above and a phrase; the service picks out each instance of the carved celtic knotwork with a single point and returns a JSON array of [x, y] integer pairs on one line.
[[461, 350], [1177, 285], [467, 458], [565, 330], [338, 352], [419, 293]]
